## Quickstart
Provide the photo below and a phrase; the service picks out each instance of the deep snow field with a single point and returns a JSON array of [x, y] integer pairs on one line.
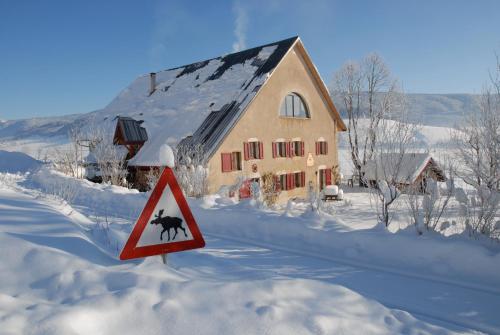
[[289, 270]]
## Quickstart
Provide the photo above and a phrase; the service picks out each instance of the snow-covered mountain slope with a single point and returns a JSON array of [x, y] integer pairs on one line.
[[37, 136], [442, 110], [41, 127]]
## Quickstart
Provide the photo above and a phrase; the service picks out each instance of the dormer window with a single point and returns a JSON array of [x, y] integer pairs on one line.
[[294, 106]]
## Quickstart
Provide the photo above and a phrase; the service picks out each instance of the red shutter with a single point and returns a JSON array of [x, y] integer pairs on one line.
[[326, 148], [317, 148], [261, 150], [302, 148], [226, 162], [302, 179], [328, 176], [291, 181], [292, 149], [275, 149], [287, 149], [246, 149]]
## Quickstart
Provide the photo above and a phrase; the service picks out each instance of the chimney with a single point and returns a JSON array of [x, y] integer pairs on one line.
[[152, 82]]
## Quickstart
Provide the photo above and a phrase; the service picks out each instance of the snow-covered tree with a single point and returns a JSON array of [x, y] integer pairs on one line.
[[427, 209], [191, 170], [477, 142], [395, 139]]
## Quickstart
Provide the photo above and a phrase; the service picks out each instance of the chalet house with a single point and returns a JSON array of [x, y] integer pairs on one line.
[[410, 170], [260, 110]]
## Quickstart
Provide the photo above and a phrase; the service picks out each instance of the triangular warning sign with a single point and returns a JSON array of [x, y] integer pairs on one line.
[[166, 223]]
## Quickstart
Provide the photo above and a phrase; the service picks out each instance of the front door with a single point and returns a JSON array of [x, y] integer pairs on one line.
[[245, 191]]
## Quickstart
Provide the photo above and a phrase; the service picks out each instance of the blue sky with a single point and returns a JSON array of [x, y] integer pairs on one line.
[[65, 57]]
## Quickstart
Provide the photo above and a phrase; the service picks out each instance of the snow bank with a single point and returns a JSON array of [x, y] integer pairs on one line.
[[455, 259], [55, 280], [17, 162]]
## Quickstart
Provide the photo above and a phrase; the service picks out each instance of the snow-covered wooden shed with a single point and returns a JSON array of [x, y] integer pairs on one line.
[[408, 169]]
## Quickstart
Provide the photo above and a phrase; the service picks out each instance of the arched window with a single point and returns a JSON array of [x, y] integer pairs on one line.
[[294, 106]]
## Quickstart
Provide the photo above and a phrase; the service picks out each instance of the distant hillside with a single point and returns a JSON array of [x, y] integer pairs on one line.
[[443, 110], [40, 127]]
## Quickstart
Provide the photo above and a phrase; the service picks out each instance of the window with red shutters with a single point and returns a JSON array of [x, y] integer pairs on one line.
[[321, 148], [299, 179], [231, 161], [297, 148], [253, 150], [280, 149]]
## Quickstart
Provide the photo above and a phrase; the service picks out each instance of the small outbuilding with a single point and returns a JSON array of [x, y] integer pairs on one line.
[[130, 134], [409, 170]]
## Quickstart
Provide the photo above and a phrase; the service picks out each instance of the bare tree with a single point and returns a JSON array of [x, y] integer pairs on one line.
[[396, 138], [427, 209], [69, 160], [367, 91], [477, 143], [270, 190], [110, 157]]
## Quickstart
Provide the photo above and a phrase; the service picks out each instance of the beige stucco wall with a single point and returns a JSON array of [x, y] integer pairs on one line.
[[262, 121]]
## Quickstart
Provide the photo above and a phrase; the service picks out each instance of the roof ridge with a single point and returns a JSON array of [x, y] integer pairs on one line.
[[229, 54]]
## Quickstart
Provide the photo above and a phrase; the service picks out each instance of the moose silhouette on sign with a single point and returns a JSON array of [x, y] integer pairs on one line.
[[168, 222]]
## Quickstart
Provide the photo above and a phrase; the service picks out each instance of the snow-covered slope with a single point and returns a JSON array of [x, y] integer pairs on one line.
[[40, 127], [292, 272], [442, 110]]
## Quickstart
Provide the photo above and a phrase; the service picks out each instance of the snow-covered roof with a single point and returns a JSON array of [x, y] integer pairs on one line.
[[203, 99], [131, 130], [405, 169], [156, 154]]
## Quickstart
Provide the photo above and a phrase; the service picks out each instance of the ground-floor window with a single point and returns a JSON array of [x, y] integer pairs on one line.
[[289, 181], [231, 161], [300, 179]]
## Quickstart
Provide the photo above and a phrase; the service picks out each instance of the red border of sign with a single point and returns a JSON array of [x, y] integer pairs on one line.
[[130, 250]]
